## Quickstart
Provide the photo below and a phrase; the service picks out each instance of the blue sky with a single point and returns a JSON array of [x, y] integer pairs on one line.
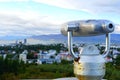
[[39, 17]]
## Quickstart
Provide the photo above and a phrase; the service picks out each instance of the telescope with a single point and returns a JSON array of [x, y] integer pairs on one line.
[[89, 64], [88, 27]]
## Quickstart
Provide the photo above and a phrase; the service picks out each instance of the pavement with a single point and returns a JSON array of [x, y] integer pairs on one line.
[[69, 78]]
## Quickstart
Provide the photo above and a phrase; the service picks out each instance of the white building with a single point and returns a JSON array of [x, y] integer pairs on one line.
[[23, 56], [45, 57], [115, 53]]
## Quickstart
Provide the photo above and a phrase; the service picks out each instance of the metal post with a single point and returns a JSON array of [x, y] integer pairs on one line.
[[107, 47], [70, 48]]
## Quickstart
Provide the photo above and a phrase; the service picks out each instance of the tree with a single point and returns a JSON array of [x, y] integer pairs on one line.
[[117, 62]]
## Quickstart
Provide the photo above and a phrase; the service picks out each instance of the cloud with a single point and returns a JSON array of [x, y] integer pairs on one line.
[[14, 0], [117, 29], [29, 22], [23, 24], [93, 6]]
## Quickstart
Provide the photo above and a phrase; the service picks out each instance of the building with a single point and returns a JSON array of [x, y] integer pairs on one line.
[[65, 56], [45, 57], [23, 56], [115, 53]]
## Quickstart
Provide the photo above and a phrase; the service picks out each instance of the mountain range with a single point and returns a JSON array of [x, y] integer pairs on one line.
[[115, 38], [58, 38]]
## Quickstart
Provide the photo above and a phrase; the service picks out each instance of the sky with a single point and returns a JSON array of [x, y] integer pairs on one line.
[[41, 17]]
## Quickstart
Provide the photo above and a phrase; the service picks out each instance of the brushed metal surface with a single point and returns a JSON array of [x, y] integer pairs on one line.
[[87, 27], [91, 65]]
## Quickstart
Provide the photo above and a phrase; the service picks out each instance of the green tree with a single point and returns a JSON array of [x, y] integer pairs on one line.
[[117, 62]]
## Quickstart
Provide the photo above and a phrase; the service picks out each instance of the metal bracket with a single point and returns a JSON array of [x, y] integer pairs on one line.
[[70, 48], [107, 47]]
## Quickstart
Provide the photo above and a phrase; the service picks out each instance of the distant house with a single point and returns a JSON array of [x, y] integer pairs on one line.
[[45, 57], [48, 61], [25, 52], [52, 52], [108, 59], [115, 53], [23, 56], [3, 54], [65, 56], [13, 52]]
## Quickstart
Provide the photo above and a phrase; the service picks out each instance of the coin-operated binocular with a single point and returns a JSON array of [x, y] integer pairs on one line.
[[89, 65]]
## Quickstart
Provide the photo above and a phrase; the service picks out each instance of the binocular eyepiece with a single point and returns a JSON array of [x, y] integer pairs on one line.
[[88, 27]]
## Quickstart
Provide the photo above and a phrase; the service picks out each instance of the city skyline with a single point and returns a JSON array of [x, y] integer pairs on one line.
[[41, 17]]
